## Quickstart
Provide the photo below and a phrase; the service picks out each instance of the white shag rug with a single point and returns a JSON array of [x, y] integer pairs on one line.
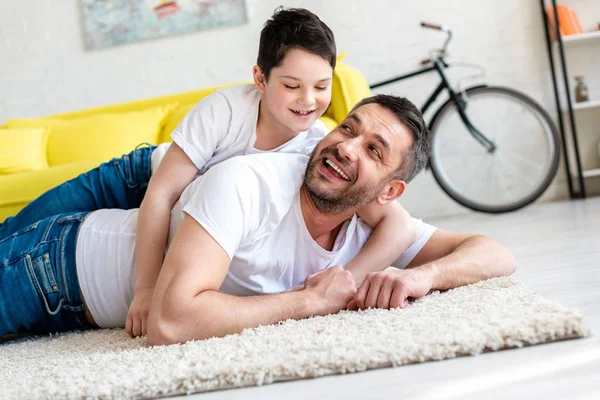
[[491, 315]]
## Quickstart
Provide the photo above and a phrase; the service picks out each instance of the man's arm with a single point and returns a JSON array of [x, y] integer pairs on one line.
[[187, 305], [175, 172], [448, 260], [458, 259]]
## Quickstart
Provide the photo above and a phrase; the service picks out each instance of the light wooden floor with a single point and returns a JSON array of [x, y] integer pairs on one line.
[[557, 246]]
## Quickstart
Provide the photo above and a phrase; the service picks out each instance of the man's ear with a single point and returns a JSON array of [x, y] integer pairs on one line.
[[259, 79], [391, 191]]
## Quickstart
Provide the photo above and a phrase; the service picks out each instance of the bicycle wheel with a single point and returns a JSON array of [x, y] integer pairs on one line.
[[517, 172]]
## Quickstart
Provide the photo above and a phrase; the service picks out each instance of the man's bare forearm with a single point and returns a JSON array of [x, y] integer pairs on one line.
[[215, 314], [475, 259]]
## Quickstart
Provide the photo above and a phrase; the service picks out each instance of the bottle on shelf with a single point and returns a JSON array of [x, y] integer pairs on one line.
[[581, 90]]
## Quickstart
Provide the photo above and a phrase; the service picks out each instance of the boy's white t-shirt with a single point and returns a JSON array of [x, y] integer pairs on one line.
[[223, 125], [250, 205]]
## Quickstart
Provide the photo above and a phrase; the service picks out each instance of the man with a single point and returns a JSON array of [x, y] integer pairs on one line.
[[245, 232]]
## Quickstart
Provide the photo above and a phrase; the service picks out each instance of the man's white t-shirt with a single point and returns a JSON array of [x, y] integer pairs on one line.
[[250, 206], [223, 125], [220, 126]]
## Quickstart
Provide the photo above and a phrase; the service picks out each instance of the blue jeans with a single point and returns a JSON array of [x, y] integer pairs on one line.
[[119, 183], [39, 289]]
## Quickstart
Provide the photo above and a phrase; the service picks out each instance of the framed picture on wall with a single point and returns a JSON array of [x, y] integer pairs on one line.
[[112, 22]]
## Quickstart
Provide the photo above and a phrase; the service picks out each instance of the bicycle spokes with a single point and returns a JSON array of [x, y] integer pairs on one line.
[[524, 152]]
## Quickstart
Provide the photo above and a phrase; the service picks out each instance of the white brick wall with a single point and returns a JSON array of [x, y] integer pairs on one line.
[[44, 68]]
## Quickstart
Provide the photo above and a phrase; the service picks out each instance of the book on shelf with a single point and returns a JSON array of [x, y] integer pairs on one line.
[[568, 22]]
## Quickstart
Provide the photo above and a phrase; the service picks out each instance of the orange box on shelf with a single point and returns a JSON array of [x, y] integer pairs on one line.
[[568, 22]]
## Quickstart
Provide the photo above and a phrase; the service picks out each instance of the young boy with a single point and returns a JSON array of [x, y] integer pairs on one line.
[[292, 89]]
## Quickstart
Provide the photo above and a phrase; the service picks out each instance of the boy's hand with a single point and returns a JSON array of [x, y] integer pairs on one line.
[[137, 316], [333, 288], [391, 288]]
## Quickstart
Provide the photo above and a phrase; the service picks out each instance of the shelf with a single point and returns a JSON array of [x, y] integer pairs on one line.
[[584, 105], [582, 37], [591, 172]]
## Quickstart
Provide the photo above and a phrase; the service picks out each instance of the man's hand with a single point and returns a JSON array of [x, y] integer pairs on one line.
[[392, 288], [137, 316], [332, 289]]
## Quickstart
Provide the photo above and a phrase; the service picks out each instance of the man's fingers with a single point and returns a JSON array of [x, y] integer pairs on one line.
[[129, 326], [143, 326], [373, 295], [352, 305], [399, 298], [361, 295], [383, 301], [137, 328]]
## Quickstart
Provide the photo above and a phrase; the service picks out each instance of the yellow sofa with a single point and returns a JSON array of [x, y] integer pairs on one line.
[[37, 154]]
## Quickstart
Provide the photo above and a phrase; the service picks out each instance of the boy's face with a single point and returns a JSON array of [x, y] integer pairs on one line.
[[299, 90]]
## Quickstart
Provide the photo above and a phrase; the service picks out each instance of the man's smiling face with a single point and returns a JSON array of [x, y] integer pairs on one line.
[[355, 162]]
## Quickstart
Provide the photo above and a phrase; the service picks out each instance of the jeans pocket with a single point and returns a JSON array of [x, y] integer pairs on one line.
[[44, 281], [20, 232], [124, 170], [73, 218]]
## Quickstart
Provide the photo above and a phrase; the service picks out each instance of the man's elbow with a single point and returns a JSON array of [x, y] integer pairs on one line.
[[506, 260], [168, 327], [162, 332], [511, 263]]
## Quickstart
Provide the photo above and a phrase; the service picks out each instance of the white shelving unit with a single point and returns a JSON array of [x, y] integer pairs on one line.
[[587, 104], [591, 38], [578, 125], [588, 173], [580, 38]]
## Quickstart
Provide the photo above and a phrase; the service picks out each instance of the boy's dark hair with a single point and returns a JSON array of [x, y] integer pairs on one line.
[[293, 28], [410, 116]]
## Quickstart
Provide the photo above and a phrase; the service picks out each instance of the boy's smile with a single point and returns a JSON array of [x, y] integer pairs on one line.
[[303, 114]]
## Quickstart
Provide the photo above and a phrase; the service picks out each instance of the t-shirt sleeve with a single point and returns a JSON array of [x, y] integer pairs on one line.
[[225, 201], [200, 131], [318, 130], [424, 232]]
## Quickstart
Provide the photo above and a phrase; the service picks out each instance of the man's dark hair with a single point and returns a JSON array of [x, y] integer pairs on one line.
[[416, 158], [293, 28]]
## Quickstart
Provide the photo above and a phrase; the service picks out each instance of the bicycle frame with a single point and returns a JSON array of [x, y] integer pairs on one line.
[[439, 64]]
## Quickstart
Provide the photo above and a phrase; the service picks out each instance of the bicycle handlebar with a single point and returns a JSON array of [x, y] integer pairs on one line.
[[431, 26], [442, 28], [438, 27]]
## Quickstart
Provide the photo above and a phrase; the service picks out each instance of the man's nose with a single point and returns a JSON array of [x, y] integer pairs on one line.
[[349, 148]]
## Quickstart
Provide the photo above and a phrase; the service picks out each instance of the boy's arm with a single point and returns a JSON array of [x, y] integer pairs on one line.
[[175, 172], [394, 231], [188, 306]]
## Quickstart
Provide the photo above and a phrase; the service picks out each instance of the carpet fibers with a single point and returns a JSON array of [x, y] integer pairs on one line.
[[491, 315]]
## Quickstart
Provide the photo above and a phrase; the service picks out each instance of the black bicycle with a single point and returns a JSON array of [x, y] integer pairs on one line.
[[494, 149]]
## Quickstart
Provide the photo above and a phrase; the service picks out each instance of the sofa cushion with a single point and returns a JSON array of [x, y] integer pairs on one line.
[[348, 88], [174, 119], [98, 137], [19, 189], [329, 122], [22, 149]]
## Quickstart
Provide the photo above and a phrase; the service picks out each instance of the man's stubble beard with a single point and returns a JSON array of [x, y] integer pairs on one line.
[[338, 201]]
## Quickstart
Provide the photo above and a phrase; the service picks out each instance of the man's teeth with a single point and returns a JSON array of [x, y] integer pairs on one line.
[[338, 170]]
